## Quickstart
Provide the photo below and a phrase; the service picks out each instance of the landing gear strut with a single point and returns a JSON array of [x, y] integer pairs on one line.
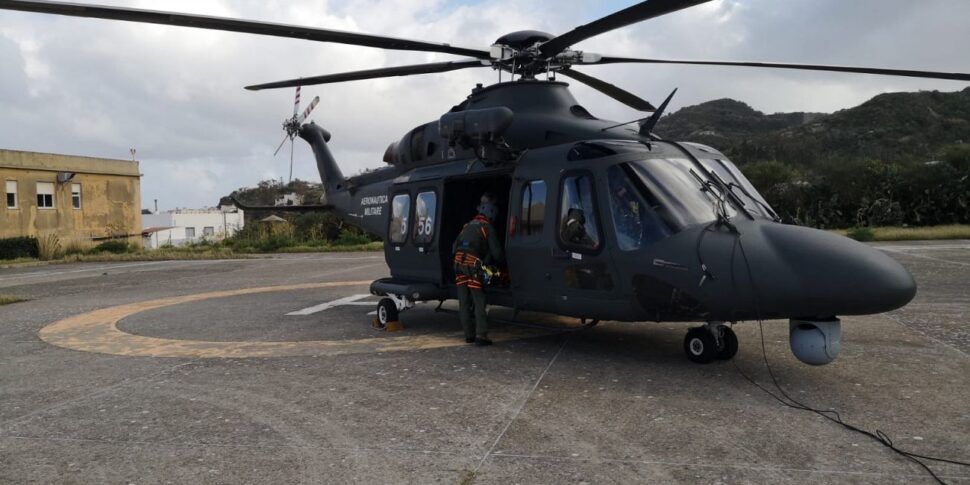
[[712, 341]]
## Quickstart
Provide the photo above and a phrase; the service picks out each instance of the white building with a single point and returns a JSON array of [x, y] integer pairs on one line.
[[288, 199], [182, 226]]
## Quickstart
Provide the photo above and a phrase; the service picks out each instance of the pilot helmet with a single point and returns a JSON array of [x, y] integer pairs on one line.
[[487, 207]]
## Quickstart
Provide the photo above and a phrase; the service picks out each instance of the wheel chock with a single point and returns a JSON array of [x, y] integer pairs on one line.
[[376, 324], [394, 326]]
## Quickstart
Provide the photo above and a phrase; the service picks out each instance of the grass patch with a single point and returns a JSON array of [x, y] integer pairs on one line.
[[8, 300], [468, 478], [199, 252], [338, 248], [20, 263], [157, 255], [930, 233]]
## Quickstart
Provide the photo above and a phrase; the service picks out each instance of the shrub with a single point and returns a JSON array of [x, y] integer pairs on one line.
[[74, 247], [348, 238], [49, 247], [861, 234], [19, 247], [114, 246]]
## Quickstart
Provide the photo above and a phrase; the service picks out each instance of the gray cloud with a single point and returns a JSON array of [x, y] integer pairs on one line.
[[97, 88]]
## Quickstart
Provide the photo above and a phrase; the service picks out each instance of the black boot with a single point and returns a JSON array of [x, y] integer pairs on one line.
[[469, 340], [482, 342]]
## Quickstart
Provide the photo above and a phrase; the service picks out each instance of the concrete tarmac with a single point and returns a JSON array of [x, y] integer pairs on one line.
[[268, 371]]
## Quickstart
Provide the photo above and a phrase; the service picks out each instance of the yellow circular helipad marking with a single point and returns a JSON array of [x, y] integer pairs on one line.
[[97, 331]]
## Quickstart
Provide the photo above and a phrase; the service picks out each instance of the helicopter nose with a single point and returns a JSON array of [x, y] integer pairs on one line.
[[835, 275]]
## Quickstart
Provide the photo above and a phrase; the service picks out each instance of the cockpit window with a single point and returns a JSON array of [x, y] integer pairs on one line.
[[753, 202], [578, 227], [684, 196], [635, 222]]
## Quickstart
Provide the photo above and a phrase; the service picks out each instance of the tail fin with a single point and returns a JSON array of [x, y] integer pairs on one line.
[[333, 180]]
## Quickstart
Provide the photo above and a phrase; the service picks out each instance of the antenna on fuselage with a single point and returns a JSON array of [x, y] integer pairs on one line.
[[647, 125]]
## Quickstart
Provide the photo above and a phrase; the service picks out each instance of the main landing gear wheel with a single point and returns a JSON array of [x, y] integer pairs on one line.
[[700, 346], [729, 343], [386, 312]]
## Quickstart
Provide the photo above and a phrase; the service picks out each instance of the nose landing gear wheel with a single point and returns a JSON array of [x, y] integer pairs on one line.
[[700, 346]]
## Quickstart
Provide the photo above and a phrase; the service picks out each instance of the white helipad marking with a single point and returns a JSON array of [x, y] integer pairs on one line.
[[349, 300]]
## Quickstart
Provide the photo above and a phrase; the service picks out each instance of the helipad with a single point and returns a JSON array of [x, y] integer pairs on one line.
[[268, 370]]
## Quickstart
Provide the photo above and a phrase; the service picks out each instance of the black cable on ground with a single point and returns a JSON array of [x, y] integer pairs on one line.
[[830, 414]]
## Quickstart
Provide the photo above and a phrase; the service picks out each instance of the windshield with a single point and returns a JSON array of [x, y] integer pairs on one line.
[[749, 197], [683, 195]]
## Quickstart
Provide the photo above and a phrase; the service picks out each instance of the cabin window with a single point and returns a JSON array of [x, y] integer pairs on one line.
[[635, 222], [578, 226], [425, 208], [400, 210], [45, 195], [76, 196], [533, 207], [11, 194]]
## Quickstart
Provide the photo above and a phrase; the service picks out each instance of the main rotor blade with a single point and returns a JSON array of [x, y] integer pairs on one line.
[[235, 25], [954, 76], [296, 102], [373, 74], [637, 13], [610, 90]]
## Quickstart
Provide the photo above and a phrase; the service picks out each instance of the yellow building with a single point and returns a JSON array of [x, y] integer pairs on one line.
[[76, 198]]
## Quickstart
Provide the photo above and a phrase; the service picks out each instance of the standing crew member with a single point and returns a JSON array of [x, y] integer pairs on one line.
[[477, 246]]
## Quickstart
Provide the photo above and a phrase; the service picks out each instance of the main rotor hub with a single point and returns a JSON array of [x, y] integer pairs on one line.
[[524, 39], [519, 52]]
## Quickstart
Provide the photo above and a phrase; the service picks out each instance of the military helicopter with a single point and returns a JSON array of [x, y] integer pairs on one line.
[[599, 220]]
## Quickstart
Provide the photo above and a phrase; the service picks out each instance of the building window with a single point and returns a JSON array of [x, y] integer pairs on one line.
[[76, 196], [424, 213], [578, 227], [45, 195], [208, 231], [189, 232], [11, 194], [533, 207], [400, 210]]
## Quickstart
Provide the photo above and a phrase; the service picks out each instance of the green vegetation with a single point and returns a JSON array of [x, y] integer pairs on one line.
[[7, 299], [861, 233], [19, 247], [114, 246], [900, 159], [953, 231], [311, 231], [468, 478]]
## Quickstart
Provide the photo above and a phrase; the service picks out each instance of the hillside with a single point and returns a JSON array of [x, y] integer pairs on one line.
[[894, 127], [897, 159]]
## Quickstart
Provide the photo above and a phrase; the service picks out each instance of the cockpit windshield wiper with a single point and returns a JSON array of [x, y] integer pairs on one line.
[[730, 193], [719, 196], [768, 210]]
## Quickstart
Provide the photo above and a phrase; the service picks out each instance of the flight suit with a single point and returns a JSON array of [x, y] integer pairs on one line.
[[476, 246]]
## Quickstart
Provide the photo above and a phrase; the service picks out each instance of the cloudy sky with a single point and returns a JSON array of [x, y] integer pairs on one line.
[[98, 88]]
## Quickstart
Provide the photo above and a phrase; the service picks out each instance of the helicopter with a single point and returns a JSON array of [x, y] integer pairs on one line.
[[599, 220]]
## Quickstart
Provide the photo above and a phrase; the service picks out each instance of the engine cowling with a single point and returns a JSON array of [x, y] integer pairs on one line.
[[815, 342]]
